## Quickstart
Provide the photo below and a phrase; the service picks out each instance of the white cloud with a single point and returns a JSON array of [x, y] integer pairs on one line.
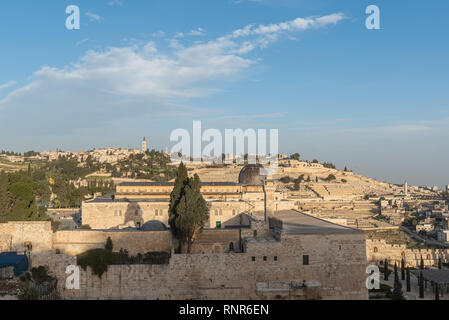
[[138, 79], [158, 34], [8, 84], [200, 32], [94, 17], [115, 3], [82, 41]]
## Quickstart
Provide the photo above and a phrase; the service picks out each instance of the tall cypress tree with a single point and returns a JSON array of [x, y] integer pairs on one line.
[[397, 288], [386, 270], [188, 211], [402, 269], [408, 280], [437, 292], [421, 285]]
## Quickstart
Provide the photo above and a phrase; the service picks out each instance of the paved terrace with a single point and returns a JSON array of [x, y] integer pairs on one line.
[[295, 222]]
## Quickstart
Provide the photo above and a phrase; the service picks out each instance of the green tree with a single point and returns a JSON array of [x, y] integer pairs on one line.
[[402, 269], [397, 288], [421, 285], [437, 291], [285, 179], [386, 270], [295, 156], [108, 246], [408, 280], [188, 211], [5, 197]]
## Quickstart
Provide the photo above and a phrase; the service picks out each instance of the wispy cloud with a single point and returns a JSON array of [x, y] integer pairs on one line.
[[158, 34], [82, 41], [94, 17], [140, 78], [200, 32], [115, 3], [8, 84]]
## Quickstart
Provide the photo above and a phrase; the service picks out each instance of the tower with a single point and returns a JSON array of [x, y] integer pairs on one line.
[[406, 188], [144, 145]]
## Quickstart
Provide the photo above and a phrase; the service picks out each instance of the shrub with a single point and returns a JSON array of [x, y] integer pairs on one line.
[[108, 246], [28, 294], [40, 274], [86, 227], [330, 177], [285, 179], [97, 259]]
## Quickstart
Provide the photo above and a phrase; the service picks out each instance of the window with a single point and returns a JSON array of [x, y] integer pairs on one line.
[[305, 260], [216, 212], [234, 212], [275, 258], [264, 258], [253, 258], [28, 246], [375, 249]]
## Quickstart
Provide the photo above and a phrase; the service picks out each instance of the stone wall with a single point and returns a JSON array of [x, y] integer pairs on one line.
[[109, 215], [379, 250], [16, 236], [76, 242], [268, 270]]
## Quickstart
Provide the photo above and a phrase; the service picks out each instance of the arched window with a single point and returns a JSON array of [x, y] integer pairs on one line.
[[231, 246], [428, 257], [375, 249]]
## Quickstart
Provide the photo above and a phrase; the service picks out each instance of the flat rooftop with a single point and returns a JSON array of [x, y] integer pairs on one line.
[[109, 199], [295, 222], [170, 184]]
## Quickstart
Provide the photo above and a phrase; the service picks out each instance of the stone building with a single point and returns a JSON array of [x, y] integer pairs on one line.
[[254, 247], [136, 203]]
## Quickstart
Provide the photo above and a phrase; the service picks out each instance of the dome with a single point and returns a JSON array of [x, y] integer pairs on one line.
[[251, 175], [153, 226]]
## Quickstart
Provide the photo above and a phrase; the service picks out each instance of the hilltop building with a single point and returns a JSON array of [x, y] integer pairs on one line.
[[144, 145]]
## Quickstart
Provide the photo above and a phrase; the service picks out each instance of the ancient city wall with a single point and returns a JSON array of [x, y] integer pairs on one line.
[[18, 236], [76, 242], [379, 250], [267, 271]]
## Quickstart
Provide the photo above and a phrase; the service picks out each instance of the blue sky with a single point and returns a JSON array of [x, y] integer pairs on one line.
[[374, 100]]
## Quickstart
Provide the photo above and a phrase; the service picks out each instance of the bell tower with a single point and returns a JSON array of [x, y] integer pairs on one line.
[[144, 145]]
